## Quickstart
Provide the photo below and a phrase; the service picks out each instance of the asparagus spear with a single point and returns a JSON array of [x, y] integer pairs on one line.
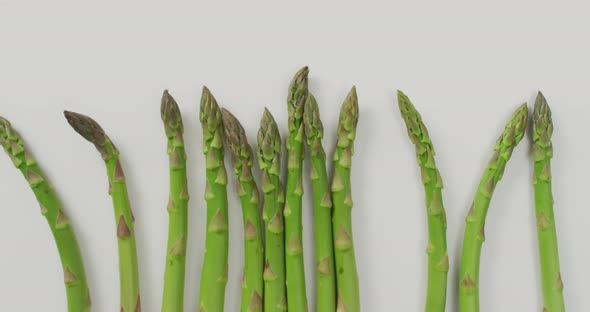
[[214, 273], [438, 259], [77, 292], [173, 298], [252, 285], [474, 231], [347, 278], [269, 161], [546, 232], [128, 271], [322, 201], [294, 191]]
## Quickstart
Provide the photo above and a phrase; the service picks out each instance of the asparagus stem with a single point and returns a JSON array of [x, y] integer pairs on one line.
[[173, 298], [474, 231], [347, 278], [296, 293], [269, 161], [252, 284], [128, 270], [546, 232], [77, 292], [322, 201], [214, 273], [438, 259]]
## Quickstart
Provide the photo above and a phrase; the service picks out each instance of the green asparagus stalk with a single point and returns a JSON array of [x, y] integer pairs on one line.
[[474, 231], [347, 278], [296, 293], [546, 232], [241, 152], [214, 273], [77, 292], [173, 298], [438, 259], [269, 161], [128, 270], [322, 201]]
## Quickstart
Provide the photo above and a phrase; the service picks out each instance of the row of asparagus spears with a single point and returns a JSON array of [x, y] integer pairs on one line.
[[474, 236], [274, 277]]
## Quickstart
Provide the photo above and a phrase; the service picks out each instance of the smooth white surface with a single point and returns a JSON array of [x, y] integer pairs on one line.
[[465, 64]]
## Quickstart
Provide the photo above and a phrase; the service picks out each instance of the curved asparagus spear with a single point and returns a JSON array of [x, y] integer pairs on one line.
[[438, 259], [128, 271], [347, 278], [214, 273], [252, 284], [77, 293], [322, 201], [269, 161], [296, 294], [546, 232], [474, 231], [173, 298]]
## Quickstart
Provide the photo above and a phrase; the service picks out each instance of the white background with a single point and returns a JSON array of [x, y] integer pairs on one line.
[[465, 64]]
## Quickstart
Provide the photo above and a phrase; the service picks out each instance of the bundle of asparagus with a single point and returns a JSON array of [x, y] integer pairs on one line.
[[274, 276], [283, 275]]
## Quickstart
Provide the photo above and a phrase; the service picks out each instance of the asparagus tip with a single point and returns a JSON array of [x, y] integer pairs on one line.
[[542, 121], [541, 107], [6, 131], [206, 91], [267, 119], [210, 114], [296, 99], [352, 91], [268, 124], [349, 113], [312, 104], [170, 113], [521, 114], [4, 125], [269, 139], [86, 127], [235, 136], [401, 94], [299, 82], [416, 128], [515, 128], [405, 105], [228, 120], [311, 119]]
